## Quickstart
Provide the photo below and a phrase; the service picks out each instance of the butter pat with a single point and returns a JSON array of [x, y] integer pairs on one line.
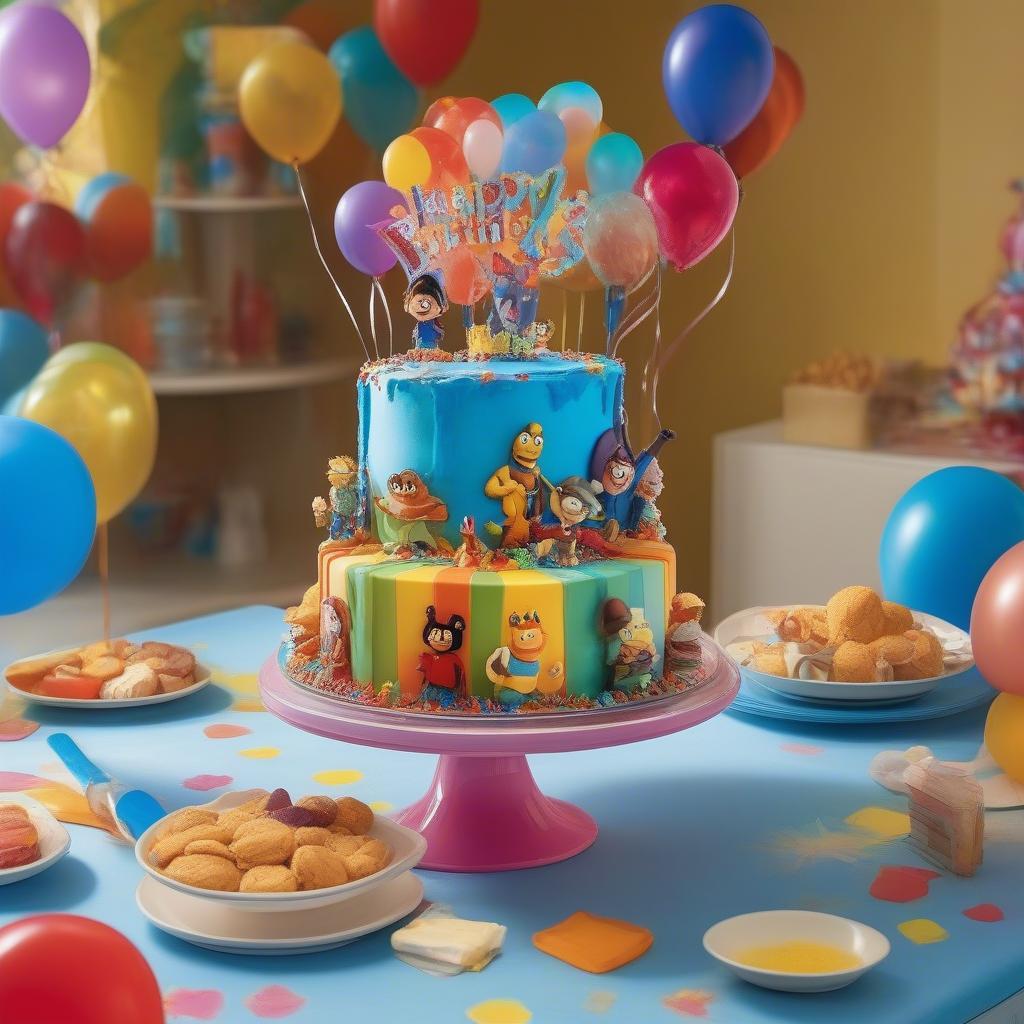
[[449, 942]]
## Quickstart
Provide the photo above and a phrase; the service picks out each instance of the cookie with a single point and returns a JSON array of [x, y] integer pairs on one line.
[[354, 815], [205, 872], [311, 836], [269, 878], [188, 817], [346, 846], [323, 808], [855, 613], [134, 681], [316, 867], [105, 667], [166, 849], [263, 841], [210, 846]]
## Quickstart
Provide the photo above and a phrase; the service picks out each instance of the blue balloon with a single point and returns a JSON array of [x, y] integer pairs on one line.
[[717, 70], [47, 514], [567, 95], [944, 535], [534, 143], [613, 164], [512, 107], [23, 350], [380, 102]]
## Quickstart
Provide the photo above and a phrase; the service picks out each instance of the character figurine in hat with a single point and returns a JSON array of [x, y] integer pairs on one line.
[[619, 471]]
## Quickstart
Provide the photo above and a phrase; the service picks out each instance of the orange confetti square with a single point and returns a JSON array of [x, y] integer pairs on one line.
[[594, 944]]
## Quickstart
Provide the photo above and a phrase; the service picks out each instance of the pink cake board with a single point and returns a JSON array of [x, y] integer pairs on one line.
[[483, 810]]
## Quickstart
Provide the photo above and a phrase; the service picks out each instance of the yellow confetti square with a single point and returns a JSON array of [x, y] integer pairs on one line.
[[922, 930], [880, 821], [260, 753]]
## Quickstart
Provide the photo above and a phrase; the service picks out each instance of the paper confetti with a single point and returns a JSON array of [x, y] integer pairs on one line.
[[225, 731], [806, 749], [380, 806], [818, 842], [880, 821], [15, 782], [600, 1001], [248, 705], [987, 912], [692, 1002], [196, 1003], [338, 777], [260, 753], [207, 782], [274, 1002], [923, 931], [16, 729], [499, 1011], [901, 884]]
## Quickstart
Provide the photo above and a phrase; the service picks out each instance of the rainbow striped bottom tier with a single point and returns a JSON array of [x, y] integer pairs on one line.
[[387, 601]]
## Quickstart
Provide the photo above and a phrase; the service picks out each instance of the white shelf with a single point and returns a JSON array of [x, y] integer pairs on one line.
[[227, 204], [247, 379]]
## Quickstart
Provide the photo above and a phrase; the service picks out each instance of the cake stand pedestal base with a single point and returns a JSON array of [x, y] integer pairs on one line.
[[488, 814]]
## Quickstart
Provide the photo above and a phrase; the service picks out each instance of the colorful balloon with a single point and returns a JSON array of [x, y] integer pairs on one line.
[[358, 213], [465, 280], [437, 109], [47, 522], [12, 197], [44, 73], [997, 623], [289, 99], [944, 535], [762, 138], [1004, 734], [455, 119], [101, 978], [426, 38], [482, 147], [24, 348], [45, 252], [108, 413], [512, 107], [613, 164], [534, 143], [716, 71], [118, 220], [693, 195], [380, 102], [573, 95], [405, 163], [620, 239]]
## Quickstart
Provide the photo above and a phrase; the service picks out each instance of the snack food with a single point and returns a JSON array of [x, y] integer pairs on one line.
[[261, 851], [19, 840]]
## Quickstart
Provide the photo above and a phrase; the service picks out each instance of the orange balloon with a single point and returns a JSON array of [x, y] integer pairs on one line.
[[437, 109], [447, 164], [465, 280], [762, 138], [455, 119]]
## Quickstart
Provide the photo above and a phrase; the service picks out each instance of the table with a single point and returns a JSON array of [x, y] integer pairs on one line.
[[693, 828], [795, 523]]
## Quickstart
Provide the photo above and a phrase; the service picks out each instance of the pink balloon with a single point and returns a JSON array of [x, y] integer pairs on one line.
[[481, 146], [997, 623], [693, 195], [620, 239]]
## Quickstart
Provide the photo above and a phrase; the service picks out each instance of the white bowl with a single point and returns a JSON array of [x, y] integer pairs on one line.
[[54, 840], [752, 624], [408, 848], [728, 940]]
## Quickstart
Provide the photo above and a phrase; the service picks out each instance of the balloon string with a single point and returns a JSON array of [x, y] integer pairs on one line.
[[579, 331], [695, 322], [373, 321], [387, 313], [323, 261], [103, 564], [653, 358], [640, 312], [565, 315]]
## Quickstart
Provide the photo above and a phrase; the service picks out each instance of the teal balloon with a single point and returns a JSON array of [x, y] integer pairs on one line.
[[12, 406], [23, 350], [512, 107], [573, 95], [613, 164], [47, 514], [380, 102]]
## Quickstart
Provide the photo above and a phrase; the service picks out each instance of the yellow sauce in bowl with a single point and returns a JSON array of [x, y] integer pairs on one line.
[[798, 957]]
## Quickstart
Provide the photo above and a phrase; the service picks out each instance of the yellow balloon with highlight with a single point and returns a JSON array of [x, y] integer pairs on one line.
[[107, 411], [289, 98], [1004, 734], [406, 162]]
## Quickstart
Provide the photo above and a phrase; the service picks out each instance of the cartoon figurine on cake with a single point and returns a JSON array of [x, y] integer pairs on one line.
[[444, 675], [516, 670], [573, 501], [517, 485], [633, 663], [426, 303], [343, 500], [619, 472], [408, 507]]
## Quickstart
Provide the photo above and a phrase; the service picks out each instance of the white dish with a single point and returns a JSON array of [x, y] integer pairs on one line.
[[201, 673], [229, 930], [730, 938], [54, 839], [408, 848], [751, 624]]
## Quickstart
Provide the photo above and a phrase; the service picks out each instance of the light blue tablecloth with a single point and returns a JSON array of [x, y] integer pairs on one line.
[[694, 828]]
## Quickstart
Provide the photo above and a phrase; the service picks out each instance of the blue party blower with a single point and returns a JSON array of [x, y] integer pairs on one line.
[[131, 810]]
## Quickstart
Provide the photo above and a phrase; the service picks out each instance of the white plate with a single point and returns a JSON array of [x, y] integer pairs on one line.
[[408, 848], [201, 672], [751, 623], [228, 930], [54, 840], [730, 938]]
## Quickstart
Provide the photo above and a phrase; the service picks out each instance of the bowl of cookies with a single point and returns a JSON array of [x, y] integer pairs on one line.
[[115, 674], [856, 648], [259, 850]]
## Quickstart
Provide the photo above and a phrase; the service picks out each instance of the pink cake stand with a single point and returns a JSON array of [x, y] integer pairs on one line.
[[484, 811]]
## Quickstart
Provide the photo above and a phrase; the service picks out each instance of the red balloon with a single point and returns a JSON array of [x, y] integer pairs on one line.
[[45, 251], [763, 137], [693, 194], [455, 119], [425, 38], [58, 968], [448, 165], [119, 233], [437, 109], [12, 197], [997, 623]]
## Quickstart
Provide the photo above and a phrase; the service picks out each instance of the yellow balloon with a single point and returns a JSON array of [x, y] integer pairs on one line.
[[406, 163], [108, 413], [290, 101], [1004, 734]]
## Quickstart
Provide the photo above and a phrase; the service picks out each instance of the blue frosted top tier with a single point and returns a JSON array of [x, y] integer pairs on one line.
[[454, 423]]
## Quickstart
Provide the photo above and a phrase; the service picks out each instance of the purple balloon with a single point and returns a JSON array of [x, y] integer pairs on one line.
[[44, 73], [358, 213]]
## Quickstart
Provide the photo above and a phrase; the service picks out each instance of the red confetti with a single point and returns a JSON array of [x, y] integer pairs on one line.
[[196, 1003], [274, 1001], [901, 884], [225, 731], [206, 782], [807, 749], [987, 912], [16, 729]]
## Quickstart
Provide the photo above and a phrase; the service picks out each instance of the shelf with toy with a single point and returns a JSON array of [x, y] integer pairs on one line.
[[227, 204], [250, 379]]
